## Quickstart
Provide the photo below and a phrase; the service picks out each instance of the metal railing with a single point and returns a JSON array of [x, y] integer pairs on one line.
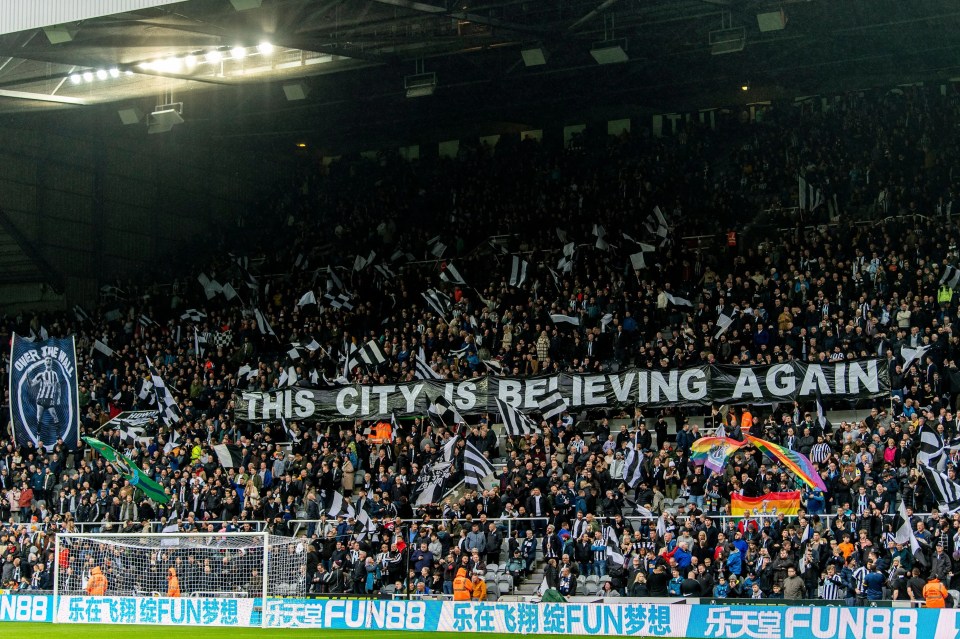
[[256, 525]]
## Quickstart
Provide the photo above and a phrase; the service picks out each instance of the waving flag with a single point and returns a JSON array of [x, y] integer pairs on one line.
[[796, 462], [712, 452], [129, 471]]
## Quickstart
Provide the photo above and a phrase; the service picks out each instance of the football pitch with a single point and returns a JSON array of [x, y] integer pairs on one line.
[[66, 631]]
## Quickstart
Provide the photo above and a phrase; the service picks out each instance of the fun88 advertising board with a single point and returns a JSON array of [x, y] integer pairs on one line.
[[769, 622], [651, 620], [633, 619]]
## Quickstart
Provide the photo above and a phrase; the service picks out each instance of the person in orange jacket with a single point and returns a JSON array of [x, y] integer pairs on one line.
[[479, 588], [173, 584], [462, 586], [97, 584], [935, 594]]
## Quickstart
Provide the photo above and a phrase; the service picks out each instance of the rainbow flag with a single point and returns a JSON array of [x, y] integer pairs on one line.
[[712, 452], [796, 462], [772, 504]]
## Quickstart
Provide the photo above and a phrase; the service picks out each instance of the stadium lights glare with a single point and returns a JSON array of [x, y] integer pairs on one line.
[[88, 76], [190, 60], [238, 53], [265, 48], [114, 72], [76, 78], [101, 74], [214, 56]]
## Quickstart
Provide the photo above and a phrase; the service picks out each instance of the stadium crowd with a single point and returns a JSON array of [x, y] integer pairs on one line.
[[799, 285]]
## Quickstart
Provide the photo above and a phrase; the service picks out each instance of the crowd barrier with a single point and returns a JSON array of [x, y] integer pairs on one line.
[[611, 618]]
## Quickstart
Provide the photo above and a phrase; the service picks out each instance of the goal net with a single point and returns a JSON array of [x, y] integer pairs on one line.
[[206, 564]]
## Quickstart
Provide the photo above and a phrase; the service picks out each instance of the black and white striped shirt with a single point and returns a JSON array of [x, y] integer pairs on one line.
[[49, 386], [833, 588]]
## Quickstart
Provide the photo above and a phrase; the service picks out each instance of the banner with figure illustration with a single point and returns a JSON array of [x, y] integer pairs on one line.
[[44, 400]]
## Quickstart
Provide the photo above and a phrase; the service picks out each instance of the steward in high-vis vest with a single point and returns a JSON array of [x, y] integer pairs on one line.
[[462, 586], [944, 294], [935, 594]]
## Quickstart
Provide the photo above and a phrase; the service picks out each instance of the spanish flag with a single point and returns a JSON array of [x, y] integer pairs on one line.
[[787, 503]]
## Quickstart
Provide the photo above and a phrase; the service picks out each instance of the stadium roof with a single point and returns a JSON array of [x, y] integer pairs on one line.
[[350, 59]]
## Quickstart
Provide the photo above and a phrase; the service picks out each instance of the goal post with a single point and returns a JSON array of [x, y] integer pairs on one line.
[[254, 566]]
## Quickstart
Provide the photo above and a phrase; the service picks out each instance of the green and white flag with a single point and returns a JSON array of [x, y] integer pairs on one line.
[[129, 471]]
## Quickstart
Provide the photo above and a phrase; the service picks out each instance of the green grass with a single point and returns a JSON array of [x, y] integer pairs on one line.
[[64, 631]]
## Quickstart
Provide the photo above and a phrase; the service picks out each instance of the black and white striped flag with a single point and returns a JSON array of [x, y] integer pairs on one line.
[[903, 528], [723, 323], [518, 271], [633, 468], [145, 390], [943, 489], [365, 525], [493, 366], [199, 342], [385, 272], [911, 355], [340, 507], [515, 423], [291, 436], [193, 315], [442, 413], [614, 553], [951, 277], [451, 274], [307, 298], [439, 302], [560, 318], [421, 369], [553, 405], [128, 435], [825, 424], [476, 467], [102, 348], [931, 452], [371, 354], [229, 455], [262, 324], [166, 404], [678, 301], [145, 321]]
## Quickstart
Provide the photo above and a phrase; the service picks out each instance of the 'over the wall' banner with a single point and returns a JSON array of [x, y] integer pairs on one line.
[[634, 387]]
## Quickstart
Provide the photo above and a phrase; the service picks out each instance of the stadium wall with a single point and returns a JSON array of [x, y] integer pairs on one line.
[[608, 618], [102, 203]]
